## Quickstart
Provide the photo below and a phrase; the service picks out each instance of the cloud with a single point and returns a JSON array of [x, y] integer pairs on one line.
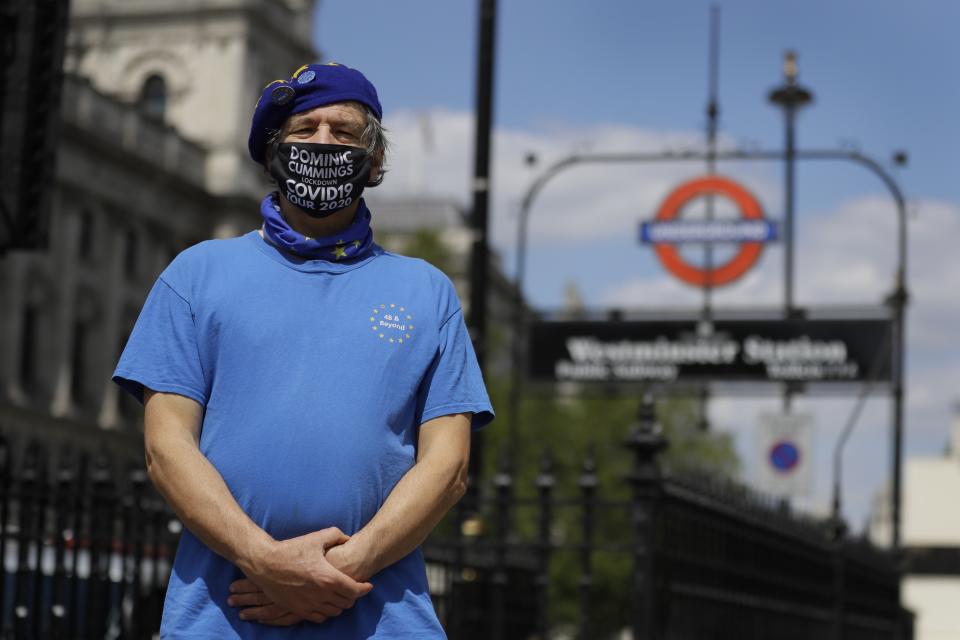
[[433, 153]]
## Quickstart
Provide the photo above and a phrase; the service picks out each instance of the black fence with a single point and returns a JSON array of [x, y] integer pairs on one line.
[[87, 551], [686, 559]]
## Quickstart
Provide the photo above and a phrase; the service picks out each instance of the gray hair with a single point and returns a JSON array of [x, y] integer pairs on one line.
[[374, 136], [374, 139]]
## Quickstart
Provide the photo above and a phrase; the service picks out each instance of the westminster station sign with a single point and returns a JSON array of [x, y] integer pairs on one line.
[[776, 350]]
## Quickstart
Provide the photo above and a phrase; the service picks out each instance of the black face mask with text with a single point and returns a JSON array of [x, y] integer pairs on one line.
[[321, 179]]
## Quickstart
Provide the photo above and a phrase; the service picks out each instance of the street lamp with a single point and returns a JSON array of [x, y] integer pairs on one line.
[[790, 97]]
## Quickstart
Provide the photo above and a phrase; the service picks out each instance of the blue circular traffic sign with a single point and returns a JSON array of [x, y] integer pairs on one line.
[[784, 456]]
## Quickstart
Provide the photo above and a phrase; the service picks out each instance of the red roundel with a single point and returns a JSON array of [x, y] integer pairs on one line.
[[740, 263]]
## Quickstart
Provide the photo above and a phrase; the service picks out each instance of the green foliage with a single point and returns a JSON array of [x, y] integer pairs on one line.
[[570, 426]]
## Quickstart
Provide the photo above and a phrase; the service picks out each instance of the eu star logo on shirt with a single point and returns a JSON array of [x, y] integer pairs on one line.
[[392, 323]]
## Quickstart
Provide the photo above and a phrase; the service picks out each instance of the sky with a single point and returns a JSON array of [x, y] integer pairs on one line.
[[623, 75]]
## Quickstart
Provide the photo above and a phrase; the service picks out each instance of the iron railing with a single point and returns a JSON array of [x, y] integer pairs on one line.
[[697, 558], [87, 552]]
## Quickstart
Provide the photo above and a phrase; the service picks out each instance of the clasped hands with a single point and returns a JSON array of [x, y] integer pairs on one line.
[[313, 577]]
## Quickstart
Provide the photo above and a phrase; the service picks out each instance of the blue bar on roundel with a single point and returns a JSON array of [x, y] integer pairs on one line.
[[708, 231]]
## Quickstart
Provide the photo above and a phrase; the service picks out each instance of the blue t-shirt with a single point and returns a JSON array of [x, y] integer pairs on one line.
[[314, 376]]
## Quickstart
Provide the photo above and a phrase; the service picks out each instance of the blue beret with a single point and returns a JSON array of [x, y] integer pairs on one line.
[[311, 86]]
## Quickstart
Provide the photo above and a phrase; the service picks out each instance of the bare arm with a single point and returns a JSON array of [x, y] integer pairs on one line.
[[191, 485], [293, 572]]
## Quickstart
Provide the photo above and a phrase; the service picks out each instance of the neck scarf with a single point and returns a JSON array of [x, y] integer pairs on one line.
[[353, 242]]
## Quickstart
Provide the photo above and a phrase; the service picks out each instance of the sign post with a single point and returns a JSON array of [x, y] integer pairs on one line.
[[783, 457]]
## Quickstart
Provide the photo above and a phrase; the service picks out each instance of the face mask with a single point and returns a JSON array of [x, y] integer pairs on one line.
[[321, 179]]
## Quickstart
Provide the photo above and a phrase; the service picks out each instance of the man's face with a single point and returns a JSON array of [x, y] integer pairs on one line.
[[338, 123]]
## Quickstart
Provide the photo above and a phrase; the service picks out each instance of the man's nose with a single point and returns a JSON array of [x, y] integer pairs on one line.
[[322, 135]]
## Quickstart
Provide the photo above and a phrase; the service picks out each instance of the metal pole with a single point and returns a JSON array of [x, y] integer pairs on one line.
[[713, 116], [898, 302], [503, 482], [479, 257], [789, 97], [839, 527], [646, 440], [9, 23], [790, 151], [713, 112], [788, 239]]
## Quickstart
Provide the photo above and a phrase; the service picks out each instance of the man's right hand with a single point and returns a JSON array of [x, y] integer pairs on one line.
[[295, 575]]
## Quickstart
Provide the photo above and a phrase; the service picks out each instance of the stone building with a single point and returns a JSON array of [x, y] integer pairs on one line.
[[930, 538], [152, 158]]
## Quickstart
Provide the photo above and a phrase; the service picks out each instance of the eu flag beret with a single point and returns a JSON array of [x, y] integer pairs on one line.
[[310, 86]]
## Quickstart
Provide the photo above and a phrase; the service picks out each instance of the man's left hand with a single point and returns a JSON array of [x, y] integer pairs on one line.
[[256, 606]]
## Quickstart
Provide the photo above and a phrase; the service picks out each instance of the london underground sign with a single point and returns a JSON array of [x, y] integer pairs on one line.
[[750, 350], [750, 231]]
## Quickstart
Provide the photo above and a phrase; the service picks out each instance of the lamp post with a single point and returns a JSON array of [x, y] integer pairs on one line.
[[790, 97], [479, 219]]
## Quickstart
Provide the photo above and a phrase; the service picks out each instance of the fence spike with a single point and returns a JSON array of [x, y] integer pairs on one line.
[[546, 479], [588, 486], [27, 501], [59, 613], [160, 524], [4, 455], [5, 499], [504, 475], [40, 538], [101, 545], [138, 524], [81, 538], [545, 484], [503, 482], [647, 441], [588, 470]]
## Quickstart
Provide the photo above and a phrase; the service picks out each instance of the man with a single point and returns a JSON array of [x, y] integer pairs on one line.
[[308, 395]]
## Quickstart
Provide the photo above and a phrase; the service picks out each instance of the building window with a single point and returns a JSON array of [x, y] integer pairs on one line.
[[85, 378], [85, 236], [78, 364], [153, 96], [28, 351], [131, 253]]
